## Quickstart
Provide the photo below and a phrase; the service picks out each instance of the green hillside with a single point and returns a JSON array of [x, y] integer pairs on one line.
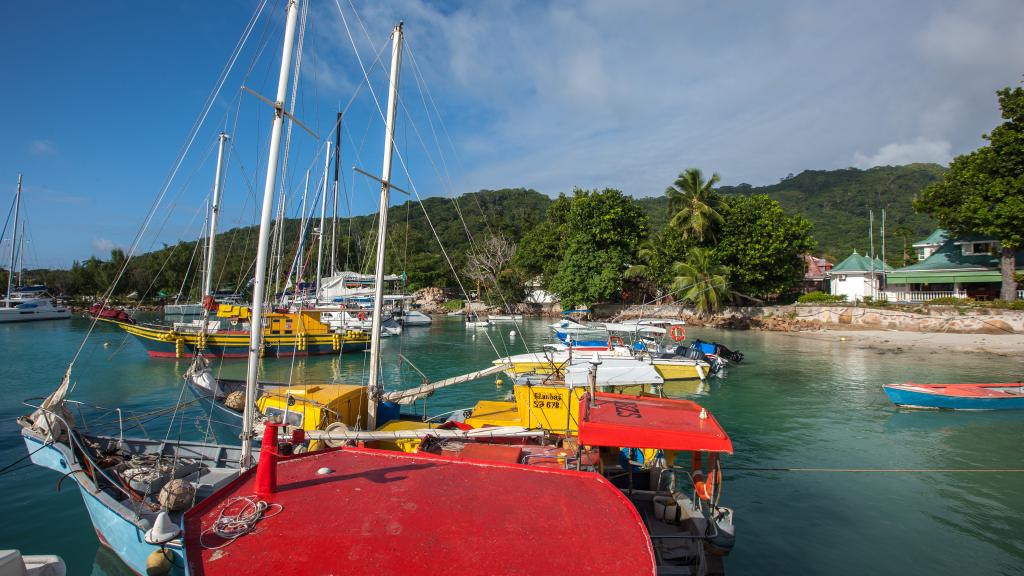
[[837, 203]]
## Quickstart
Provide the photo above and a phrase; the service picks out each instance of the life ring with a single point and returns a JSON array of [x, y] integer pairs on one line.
[[361, 316], [615, 341], [704, 487], [677, 333]]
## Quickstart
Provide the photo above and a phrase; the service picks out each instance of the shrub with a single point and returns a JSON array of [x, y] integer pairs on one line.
[[453, 305], [951, 301], [821, 298]]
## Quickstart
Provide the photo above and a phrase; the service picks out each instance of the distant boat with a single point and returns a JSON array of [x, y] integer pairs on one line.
[[26, 303], [1003, 396], [505, 317]]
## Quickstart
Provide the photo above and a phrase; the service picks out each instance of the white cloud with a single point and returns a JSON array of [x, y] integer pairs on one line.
[[42, 147], [896, 153], [102, 247]]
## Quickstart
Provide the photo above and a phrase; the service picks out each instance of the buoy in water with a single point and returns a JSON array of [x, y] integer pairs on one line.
[[512, 334], [106, 344], [159, 563], [498, 382]]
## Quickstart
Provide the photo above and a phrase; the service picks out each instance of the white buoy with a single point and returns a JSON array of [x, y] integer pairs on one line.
[[512, 334]]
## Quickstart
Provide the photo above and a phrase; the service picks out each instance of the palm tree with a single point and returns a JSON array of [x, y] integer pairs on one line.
[[693, 203], [701, 281]]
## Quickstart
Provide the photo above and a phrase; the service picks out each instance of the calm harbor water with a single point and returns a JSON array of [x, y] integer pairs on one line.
[[793, 403]]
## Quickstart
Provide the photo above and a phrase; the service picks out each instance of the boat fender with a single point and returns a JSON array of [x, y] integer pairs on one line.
[[235, 400], [177, 494], [361, 316], [677, 333], [614, 341], [159, 562]]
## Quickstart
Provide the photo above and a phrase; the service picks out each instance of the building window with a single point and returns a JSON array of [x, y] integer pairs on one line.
[[975, 248]]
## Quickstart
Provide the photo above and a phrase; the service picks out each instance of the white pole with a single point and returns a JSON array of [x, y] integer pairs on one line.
[[214, 210], [256, 330], [373, 386], [323, 211], [299, 263], [334, 217], [14, 241]]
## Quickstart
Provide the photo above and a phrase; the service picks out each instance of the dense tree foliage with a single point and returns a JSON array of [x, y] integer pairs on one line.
[[762, 246], [602, 230], [983, 191]]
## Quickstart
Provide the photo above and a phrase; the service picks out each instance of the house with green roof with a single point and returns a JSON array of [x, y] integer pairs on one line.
[[858, 276], [966, 267]]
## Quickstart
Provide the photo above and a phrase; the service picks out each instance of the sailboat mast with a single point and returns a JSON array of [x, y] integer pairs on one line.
[[299, 262], [214, 210], [323, 211], [373, 386], [256, 330], [334, 213], [14, 240]]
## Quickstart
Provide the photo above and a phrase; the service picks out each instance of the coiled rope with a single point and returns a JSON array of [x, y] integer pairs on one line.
[[233, 524]]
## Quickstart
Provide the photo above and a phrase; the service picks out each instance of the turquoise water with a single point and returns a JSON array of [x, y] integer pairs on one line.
[[793, 403]]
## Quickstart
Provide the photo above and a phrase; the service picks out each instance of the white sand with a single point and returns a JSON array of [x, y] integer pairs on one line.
[[1000, 344]]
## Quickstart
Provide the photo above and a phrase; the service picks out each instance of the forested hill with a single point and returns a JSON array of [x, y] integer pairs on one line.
[[837, 203]]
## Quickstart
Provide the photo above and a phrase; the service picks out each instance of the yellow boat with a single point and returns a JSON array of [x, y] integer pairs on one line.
[[285, 334]]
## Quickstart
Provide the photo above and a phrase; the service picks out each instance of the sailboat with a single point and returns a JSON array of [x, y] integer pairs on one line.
[[26, 303], [285, 333], [468, 500]]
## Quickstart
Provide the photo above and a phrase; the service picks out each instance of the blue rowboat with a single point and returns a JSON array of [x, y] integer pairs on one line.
[[1005, 396]]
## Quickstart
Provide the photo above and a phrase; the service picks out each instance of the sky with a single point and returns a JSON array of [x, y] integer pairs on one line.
[[101, 97]]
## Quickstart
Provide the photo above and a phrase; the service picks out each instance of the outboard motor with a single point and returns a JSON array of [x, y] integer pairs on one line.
[[730, 355]]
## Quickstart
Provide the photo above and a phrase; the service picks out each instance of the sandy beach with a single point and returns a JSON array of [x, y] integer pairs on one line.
[[1001, 344]]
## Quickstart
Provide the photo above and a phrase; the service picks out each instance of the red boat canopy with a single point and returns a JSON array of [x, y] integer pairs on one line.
[[650, 422], [357, 511]]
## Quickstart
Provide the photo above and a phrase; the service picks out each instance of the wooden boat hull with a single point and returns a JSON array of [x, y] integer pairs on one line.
[[1008, 396]]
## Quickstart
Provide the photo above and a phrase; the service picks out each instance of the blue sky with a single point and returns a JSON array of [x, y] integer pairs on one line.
[[101, 97]]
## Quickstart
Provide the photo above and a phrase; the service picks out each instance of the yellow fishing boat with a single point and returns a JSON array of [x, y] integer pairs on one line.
[[284, 334]]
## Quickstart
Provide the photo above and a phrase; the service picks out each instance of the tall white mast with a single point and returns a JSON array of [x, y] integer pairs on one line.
[[323, 210], [299, 272], [214, 210], [14, 241], [373, 386], [256, 330], [334, 217]]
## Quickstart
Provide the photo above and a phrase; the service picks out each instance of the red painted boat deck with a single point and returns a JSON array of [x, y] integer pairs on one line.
[[381, 512], [966, 390], [650, 422]]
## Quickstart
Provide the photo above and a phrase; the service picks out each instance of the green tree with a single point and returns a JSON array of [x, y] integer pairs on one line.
[[693, 203], [541, 248], [762, 246], [701, 281], [652, 268], [603, 230], [983, 191]]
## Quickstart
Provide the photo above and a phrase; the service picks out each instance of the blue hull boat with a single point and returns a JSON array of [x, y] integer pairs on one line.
[[1006, 396]]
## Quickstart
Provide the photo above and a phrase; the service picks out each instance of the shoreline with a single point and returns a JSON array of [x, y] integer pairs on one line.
[[994, 344]]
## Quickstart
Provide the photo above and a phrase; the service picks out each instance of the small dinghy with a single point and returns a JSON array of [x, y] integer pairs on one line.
[[1004, 396]]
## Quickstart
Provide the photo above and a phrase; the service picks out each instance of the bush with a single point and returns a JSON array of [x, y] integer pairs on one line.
[[951, 301], [821, 298], [453, 305], [1005, 305]]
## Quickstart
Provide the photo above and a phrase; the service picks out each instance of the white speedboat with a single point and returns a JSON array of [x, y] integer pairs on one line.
[[31, 303]]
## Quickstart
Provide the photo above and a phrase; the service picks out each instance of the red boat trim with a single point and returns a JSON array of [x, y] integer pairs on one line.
[[650, 422]]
